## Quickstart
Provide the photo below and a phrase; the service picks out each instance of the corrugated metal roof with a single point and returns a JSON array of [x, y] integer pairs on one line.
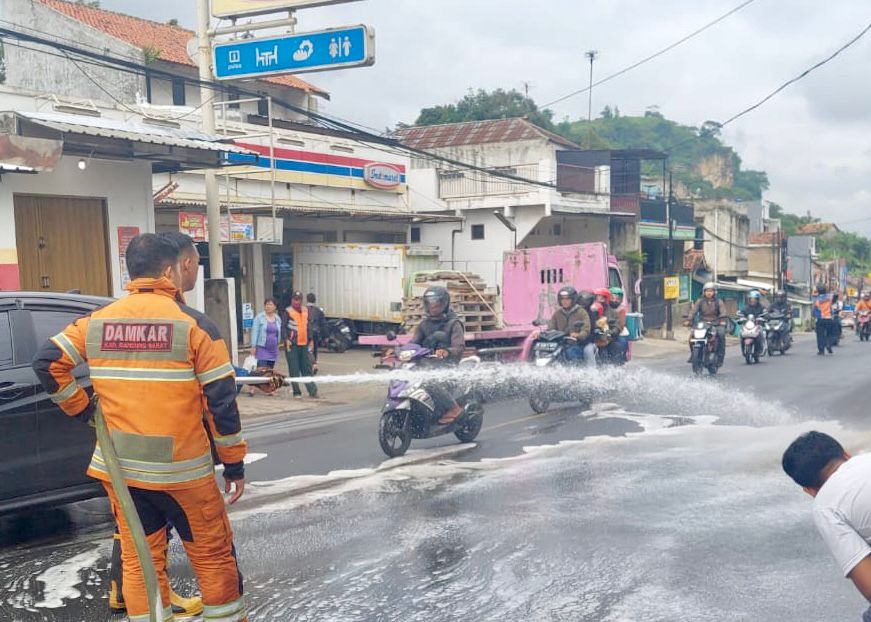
[[130, 130], [190, 199], [476, 133]]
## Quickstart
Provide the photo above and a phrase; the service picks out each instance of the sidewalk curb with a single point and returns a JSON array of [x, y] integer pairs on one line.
[[337, 478]]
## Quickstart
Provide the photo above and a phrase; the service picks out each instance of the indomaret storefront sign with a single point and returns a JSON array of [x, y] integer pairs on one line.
[[321, 169]]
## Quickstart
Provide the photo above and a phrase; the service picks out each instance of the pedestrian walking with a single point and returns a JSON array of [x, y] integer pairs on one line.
[[317, 324], [825, 320], [155, 366], [296, 341], [266, 335]]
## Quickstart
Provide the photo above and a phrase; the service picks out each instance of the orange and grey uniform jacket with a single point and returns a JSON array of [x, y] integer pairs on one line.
[[155, 364]]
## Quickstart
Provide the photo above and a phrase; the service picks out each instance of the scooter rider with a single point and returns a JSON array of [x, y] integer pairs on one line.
[[572, 319], [442, 331], [754, 305], [616, 311], [781, 305], [710, 309]]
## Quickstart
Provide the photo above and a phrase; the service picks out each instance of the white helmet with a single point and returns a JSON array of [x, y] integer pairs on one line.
[[710, 285]]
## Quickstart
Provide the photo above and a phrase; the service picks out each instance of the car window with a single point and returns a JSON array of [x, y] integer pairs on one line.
[[5, 341], [614, 278], [48, 323]]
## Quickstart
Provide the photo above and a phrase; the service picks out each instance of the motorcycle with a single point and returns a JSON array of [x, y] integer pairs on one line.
[[339, 336], [704, 342], [604, 337], [753, 338], [779, 333], [410, 411], [864, 329], [549, 349]]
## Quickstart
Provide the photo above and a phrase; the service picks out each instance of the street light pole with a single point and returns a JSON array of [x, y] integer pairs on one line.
[[592, 55], [213, 207]]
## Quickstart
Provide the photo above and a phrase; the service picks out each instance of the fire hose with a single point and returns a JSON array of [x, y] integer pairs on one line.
[[131, 517]]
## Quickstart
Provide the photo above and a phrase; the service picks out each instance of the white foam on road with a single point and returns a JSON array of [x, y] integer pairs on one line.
[[60, 581]]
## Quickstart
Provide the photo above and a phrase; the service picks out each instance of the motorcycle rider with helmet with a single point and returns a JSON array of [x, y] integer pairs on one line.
[[781, 305], [442, 331], [572, 319], [586, 299], [755, 308], [617, 312], [754, 305], [710, 309]]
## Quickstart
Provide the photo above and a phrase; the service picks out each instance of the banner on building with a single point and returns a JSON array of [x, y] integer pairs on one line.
[[193, 224], [270, 230], [235, 228], [125, 236]]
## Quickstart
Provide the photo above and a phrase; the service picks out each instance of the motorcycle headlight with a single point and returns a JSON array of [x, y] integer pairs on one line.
[[700, 326], [406, 355], [750, 325]]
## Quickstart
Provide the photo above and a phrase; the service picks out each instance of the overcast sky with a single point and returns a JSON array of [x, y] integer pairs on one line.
[[814, 139]]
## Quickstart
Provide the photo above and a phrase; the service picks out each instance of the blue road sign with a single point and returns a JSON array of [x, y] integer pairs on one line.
[[336, 48]]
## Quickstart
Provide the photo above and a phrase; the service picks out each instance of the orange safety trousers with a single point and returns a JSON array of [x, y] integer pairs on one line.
[[200, 519]]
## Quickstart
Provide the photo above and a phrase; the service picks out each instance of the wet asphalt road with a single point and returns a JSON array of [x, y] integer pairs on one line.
[[643, 509]]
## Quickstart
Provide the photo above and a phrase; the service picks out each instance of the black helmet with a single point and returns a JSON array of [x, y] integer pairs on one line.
[[439, 295], [780, 296], [585, 299], [567, 292], [821, 289]]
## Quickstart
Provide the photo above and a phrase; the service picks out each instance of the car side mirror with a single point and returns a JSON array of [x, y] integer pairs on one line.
[[391, 336], [537, 322]]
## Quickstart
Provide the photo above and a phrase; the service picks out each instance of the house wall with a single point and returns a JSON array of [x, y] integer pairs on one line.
[[727, 221], [43, 71], [125, 186]]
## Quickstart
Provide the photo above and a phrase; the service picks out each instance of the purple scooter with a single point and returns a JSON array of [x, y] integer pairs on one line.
[[410, 411]]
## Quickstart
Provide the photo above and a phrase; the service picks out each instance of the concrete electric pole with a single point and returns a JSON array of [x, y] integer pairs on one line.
[[592, 55], [207, 112]]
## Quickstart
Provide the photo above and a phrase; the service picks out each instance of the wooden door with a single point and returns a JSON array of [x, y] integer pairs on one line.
[[62, 244]]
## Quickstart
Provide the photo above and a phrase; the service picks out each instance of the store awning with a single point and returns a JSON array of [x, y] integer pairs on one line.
[[14, 168], [755, 284], [168, 147], [251, 205]]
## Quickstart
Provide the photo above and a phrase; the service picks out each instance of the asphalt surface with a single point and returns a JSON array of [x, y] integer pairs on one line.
[[663, 502]]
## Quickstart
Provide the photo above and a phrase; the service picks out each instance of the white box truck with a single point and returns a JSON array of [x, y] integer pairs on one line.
[[362, 283]]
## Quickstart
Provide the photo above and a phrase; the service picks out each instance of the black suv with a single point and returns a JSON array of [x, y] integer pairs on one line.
[[43, 453]]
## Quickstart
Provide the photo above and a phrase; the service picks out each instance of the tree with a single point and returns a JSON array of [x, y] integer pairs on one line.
[[482, 105]]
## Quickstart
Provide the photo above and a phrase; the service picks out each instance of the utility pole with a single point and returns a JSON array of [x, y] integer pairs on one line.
[[592, 55], [207, 112]]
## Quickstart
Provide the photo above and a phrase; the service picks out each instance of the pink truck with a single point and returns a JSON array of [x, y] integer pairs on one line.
[[531, 279]]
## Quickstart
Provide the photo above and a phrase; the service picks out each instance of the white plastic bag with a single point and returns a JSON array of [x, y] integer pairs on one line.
[[249, 364]]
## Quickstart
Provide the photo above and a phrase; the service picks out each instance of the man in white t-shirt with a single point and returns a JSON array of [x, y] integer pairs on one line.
[[841, 487]]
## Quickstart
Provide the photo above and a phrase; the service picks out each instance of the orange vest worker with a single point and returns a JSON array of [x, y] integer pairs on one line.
[[154, 363]]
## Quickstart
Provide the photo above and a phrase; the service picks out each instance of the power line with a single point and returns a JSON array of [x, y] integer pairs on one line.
[[652, 56], [139, 69], [780, 88]]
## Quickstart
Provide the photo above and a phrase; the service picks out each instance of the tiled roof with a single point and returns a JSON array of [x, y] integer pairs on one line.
[[476, 133], [142, 33], [817, 228], [693, 259]]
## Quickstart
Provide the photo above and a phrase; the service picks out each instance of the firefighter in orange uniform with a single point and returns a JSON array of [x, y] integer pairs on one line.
[[153, 363]]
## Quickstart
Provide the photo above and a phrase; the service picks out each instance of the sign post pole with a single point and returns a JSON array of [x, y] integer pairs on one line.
[[213, 207]]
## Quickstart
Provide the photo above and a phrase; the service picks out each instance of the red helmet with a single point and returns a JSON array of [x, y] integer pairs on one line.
[[603, 291]]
